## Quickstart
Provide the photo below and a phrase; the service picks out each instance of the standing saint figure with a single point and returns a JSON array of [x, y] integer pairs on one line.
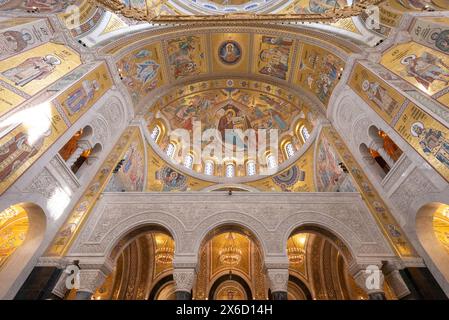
[[35, 68]]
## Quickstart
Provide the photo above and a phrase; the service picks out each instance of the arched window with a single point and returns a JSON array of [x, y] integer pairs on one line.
[[188, 161], [271, 161], [209, 167], [304, 133], [289, 149], [155, 133], [230, 170], [251, 168], [170, 151]]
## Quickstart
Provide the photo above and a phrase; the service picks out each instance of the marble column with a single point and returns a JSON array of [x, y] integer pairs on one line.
[[80, 148], [371, 279], [278, 283], [90, 280], [184, 278], [378, 145]]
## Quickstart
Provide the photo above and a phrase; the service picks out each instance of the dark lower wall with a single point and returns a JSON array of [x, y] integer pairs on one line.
[[39, 284], [422, 285]]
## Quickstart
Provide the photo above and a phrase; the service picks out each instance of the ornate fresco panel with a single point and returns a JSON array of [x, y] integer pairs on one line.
[[382, 98], [161, 177], [432, 32], [330, 177], [230, 52], [274, 56], [83, 94], [318, 71], [313, 6], [20, 34], [427, 136], [297, 178], [141, 71], [423, 67], [186, 56], [37, 68], [42, 6], [131, 175], [27, 141]]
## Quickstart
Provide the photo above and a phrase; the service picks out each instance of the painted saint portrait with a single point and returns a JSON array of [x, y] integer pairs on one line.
[[230, 52], [171, 179], [34, 68], [274, 56], [13, 42], [426, 69], [232, 119], [80, 97], [379, 96], [16, 151], [329, 175], [47, 6], [185, 56], [432, 142]]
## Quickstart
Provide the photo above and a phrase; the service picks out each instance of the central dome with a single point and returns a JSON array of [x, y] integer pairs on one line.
[[230, 121]]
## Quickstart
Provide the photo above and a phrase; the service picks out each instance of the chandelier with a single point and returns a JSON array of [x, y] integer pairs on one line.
[[151, 11], [230, 254], [295, 252], [164, 253]]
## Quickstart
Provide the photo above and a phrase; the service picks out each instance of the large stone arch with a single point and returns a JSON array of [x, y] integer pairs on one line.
[[22, 261], [238, 219], [419, 228], [315, 221]]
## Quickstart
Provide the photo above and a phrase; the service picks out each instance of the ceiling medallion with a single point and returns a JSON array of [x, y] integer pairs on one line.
[[152, 14], [230, 254]]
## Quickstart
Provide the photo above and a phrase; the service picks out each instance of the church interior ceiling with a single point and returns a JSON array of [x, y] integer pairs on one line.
[[279, 58]]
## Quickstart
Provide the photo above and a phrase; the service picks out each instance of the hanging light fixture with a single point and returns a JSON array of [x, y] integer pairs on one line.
[[152, 11], [295, 252], [165, 253], [230, 254]]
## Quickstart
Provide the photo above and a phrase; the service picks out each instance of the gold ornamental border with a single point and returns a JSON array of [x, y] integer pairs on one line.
[[151, 15]]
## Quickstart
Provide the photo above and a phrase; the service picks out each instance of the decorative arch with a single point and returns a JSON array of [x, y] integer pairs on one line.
[[230, 221], [439, 257], [22, 260]]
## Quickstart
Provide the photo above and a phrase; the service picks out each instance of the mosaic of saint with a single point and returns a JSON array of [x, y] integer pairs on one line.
[[45, 6], [274, 56], [315, 6], [230, 52], [428, 136], [382, 98], [425, 68], [185, 56], [318, 72], [330, 177], [130, 177], [18, 36]]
